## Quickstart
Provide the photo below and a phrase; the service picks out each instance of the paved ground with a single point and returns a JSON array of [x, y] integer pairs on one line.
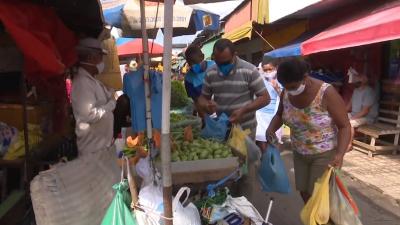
[[376, 208], [381, 171]]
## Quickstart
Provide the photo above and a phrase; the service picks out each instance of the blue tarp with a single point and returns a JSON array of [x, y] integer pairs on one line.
[[293, 48]]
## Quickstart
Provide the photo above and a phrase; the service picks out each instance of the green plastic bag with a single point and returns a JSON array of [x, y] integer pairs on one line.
[[118, 213]]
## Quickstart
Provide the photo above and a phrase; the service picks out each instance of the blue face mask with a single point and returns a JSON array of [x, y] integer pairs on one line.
[[196, 68], [226, 68]]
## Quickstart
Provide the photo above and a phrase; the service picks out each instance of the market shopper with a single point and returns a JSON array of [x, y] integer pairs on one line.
[[363, 106], [92, 102], [233, 86], [194, 78], [265, 114], [316, 115]]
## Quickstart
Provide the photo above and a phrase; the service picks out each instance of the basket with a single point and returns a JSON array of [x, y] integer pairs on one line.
[[76, 192]]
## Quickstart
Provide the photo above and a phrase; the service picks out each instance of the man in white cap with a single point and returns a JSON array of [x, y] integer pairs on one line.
[[92, 102], [363, 106]]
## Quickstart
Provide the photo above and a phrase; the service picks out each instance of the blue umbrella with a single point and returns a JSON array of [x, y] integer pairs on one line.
[[122, 15]]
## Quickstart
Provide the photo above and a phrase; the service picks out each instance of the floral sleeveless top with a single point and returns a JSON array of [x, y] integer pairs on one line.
[[312, 130]]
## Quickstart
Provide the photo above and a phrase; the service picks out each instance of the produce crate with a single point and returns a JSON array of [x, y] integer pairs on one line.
[[200, 171]]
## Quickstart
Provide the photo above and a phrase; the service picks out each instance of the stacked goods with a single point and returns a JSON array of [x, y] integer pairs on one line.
[[179, 98], [187, 147], [182, 120]]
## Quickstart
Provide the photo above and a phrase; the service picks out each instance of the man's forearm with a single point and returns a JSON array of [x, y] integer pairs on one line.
[[361, 114], [257, 104]]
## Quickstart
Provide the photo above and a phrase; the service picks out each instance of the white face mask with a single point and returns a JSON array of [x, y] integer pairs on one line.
[[270, 75], [298, 91], [100, 66]]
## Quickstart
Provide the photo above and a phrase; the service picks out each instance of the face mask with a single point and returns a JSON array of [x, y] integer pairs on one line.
[[270, 75], [298, 91], [100, 67], [226, 68], [196, 68]]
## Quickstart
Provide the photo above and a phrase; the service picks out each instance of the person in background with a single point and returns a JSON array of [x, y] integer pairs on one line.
[[236, 87], [92, 102], [319, 127], [363, 106], [194, 78], [265, 115]]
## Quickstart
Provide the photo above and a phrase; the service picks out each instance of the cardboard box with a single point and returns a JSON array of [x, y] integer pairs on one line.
[[111, 77]]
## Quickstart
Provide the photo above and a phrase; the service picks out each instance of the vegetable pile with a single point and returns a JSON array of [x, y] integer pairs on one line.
[[200, 149], [179, 97]]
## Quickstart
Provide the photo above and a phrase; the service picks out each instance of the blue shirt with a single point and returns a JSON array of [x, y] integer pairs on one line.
[[274, 95], [194, 82]]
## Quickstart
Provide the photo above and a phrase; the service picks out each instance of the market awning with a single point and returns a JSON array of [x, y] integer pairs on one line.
[[292, 48], [382, 24], [241, 32]]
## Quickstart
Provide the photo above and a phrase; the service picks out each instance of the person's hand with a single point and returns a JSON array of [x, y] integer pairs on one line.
[[337, 161], [271, 136], [115, 96], [211, 107], [236, 116]]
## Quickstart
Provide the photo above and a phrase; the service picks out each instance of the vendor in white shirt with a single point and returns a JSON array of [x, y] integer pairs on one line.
[[92, 102], [363, 107]]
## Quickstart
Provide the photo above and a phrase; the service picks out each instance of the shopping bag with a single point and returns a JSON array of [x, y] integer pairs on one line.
[[253, 151], [346, 194], [184, 214], [316, 211], [215, 128], [245, 208], [341, 210], [237, 140], [272, 173], [118, 213]]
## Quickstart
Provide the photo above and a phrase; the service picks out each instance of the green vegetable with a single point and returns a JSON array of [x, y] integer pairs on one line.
[[179, 97]]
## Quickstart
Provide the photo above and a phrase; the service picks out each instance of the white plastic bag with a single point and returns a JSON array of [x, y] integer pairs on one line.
[[245, 208], [143, 170], [253, 151], [184, 215]]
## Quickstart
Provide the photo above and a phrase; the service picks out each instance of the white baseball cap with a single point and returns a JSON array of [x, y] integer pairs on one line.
[[87, 44]]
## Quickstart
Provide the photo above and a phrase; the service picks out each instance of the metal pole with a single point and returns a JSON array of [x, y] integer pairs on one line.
[[24, 92], [146, 64], [166, 101]]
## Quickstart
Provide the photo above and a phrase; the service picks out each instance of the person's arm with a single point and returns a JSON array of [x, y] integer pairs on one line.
[[256, 86], [84, 103], [336, 110], [364, 111], [348, 106], [204, 101]]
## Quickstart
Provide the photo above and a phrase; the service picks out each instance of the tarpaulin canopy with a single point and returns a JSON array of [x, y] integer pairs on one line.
[[126, 15], [379, 25], [132, 46], [292, 48], [47, 44]]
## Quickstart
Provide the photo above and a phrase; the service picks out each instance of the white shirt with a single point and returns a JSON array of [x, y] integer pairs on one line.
[[93, 105]]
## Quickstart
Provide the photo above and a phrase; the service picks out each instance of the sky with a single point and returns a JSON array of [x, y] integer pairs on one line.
[[220, 8]]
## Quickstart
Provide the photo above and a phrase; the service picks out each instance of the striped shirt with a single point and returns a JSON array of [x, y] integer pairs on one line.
[[236, 90]]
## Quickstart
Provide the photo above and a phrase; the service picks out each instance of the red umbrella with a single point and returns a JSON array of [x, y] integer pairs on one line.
[[134, 47]]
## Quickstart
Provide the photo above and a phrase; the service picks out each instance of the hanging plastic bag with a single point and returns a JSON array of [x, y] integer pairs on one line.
[[317, 210], [253, 151], [119, 213], [237, 140], [215, 128], [272, 173], [341, 210], [184, 215], [346, 194]]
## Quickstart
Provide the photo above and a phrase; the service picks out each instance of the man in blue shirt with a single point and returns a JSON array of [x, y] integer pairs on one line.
[[195, 76]]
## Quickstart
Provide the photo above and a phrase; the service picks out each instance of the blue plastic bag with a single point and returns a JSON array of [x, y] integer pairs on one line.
[[156, 98], [272, 173], [215, 128], [134, 88]]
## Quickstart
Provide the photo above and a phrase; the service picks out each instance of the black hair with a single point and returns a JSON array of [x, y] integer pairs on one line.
[[191, 52], [223, 44], [292, 70], [273, 62]]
